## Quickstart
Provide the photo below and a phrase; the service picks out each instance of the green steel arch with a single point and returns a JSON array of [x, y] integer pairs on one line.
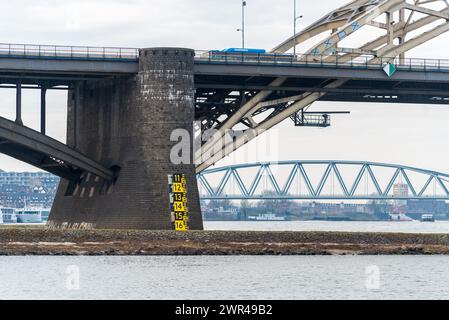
[[330, 174]]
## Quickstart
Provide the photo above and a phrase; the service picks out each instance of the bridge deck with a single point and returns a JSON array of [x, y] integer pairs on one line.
[[110, 60], [330, 71], [67, 63]]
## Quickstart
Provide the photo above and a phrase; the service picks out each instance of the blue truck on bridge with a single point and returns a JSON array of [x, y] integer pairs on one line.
[[247, 55]]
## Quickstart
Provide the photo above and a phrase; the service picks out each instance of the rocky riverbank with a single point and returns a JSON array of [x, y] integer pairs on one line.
[[42, 241]]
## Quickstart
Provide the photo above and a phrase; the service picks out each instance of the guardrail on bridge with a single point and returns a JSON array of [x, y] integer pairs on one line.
[[322, 61], [61, 52]]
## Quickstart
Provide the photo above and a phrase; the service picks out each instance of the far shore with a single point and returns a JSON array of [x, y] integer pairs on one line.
[[39, 240]]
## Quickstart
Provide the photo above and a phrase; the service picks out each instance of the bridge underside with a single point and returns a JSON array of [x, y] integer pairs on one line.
[[224, 92]]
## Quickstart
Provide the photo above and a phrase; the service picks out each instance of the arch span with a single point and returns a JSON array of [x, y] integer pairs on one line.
[[46, 153]]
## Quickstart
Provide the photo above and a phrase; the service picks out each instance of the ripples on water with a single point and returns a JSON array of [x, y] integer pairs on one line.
[[349, 226], [241, 277]]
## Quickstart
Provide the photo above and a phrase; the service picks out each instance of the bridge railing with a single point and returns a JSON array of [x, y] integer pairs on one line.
[[311, 60], [67, 52]]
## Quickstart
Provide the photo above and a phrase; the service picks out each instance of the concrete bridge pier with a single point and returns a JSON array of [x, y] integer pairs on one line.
[[125, 124]]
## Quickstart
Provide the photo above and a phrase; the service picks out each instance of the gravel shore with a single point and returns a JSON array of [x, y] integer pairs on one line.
[[43, 241]]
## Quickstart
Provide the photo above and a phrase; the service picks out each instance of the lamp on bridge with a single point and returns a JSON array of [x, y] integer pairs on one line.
[[295, 19], [242, 30]]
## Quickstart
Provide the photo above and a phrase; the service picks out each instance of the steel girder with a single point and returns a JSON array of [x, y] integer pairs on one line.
[[342, 23], [330, 175]]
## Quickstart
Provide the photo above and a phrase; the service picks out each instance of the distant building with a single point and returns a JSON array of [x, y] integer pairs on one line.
[[28, 179], [439, 208], [400, 190], [18, 189]]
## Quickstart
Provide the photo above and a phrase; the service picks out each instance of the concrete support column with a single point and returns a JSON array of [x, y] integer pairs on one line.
[[166, 81], [19, 103], [126, 124], [76, 107], [43, 108]]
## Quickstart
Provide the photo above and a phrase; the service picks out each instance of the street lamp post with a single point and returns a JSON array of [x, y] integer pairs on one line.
[[295, 19], [242, 30]]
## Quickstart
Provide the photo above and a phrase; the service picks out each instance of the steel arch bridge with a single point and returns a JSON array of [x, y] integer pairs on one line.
[[325, 180], [401, 25]]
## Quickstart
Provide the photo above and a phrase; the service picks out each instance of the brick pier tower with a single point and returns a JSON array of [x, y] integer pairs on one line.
[[126, 124]]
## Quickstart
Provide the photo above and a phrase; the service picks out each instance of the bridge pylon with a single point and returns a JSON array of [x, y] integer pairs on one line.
[[125, 124]]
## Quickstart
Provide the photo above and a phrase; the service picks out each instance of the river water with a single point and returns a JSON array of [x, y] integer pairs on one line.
[[236, 277], [222, 277], [349, 226]]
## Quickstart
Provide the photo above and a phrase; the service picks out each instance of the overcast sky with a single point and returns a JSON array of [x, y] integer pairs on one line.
[[413, 135]]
